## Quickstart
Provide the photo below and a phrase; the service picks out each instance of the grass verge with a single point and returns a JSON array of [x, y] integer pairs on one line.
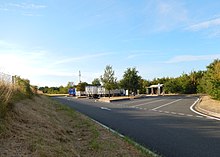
[[43, 127]]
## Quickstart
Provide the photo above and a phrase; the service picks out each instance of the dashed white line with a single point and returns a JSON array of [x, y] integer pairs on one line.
[[189, 115], [199, 116], [166, 112], [166, 104], [181, 114], [173, 112], [105, 108]]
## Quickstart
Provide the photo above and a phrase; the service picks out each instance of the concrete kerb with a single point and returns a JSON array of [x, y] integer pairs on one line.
[[122, 99], [194, 109], [112, 100]]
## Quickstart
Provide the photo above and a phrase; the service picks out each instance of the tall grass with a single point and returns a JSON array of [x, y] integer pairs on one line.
[[11, 92], [6, 93]]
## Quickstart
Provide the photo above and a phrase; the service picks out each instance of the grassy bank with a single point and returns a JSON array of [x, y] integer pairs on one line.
[[43, 127], [6, 93]]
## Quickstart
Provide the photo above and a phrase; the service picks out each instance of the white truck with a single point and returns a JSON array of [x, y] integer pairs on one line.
[[91, 91], [100, 91]]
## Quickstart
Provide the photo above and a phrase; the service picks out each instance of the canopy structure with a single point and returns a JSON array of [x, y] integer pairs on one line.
[[155, 89]]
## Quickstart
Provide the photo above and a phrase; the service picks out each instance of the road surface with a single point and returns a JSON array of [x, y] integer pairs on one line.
[[165, 125]]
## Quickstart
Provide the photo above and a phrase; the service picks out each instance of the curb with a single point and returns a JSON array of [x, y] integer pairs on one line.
[[193, 109], [108, 101]]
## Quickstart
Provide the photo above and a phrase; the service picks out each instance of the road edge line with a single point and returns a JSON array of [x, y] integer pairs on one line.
[[124, 137], [199, 113]]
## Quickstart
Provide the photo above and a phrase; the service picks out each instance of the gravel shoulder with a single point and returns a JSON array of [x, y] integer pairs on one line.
[[43, 127], [209, 106]]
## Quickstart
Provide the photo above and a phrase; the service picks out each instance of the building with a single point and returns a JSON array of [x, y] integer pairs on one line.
[[155, 89]]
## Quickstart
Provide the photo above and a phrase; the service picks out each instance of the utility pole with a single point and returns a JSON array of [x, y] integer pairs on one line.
[[79, 76]]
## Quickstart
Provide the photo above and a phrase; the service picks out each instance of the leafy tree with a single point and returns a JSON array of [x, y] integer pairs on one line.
[[96, 82], [173, 86], [108, 79], [211, 80], [143, 85], [81, 86], [131, 80]]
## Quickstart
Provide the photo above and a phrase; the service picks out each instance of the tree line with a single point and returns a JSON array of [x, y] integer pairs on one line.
[[206, 82]]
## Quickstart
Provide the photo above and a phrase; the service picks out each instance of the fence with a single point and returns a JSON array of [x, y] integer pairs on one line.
[[6, 78]]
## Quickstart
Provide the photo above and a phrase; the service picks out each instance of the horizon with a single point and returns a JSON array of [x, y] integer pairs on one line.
[[49, 42]]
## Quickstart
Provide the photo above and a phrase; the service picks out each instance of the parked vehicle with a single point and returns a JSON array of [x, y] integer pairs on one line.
[[100, 91], [72, 91]]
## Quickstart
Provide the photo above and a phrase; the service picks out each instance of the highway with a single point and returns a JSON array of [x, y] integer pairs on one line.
[[165, 125]]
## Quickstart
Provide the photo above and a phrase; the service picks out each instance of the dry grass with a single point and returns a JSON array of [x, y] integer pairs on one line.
[[209, 106], [41, 127], [6, 92]]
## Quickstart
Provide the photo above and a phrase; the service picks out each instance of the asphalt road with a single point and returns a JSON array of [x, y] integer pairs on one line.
[[165, 125]]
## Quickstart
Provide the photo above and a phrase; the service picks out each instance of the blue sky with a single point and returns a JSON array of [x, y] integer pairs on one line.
[[49, 41]]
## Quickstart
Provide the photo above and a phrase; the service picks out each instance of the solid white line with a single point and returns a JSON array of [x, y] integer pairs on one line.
[[191, 108], [147, 103], [166, 104]]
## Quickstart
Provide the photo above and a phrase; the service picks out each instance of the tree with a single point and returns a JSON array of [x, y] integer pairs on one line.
[[108, 79], [96, 82], [131, 80], [211, 80], [81, 86], [173, 86]]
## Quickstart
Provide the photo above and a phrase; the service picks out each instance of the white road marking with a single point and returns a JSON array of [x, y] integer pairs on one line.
[[105, 108], [148, 103], [166, 104], [201, 114], [181, 114], [173, 112], [189, 115]]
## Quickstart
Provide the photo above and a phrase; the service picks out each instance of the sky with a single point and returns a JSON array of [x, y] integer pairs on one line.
[[50, 41]]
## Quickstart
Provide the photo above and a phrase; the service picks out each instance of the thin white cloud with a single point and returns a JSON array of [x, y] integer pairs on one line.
[[205, 25], [190, 58], [81, 58], [132, 56], [27, 5], [25, 9], [169, 15], [31, 14]]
